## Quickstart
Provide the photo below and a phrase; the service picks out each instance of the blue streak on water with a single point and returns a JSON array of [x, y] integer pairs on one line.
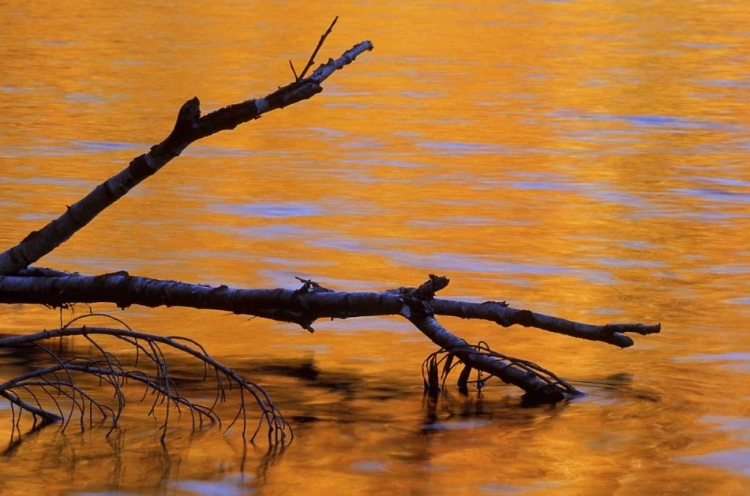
[[422, 94], [382, 163], [104, 146], [72, 148], [462, 148], [722, 357], [538, 185], [630, 264], [640, 245], [713, 195], [461, 262], [729, 269], [87, 98], [464, 220], [339, 242], [13, 89], [270, 210], [62, 182], [601, 192], [737, 460], [456, 425], [272, 232], [369, 466], [326, 131], [213, 488], [726, 83], [721, 181], [407, 134], [738, 428], [646, 120]]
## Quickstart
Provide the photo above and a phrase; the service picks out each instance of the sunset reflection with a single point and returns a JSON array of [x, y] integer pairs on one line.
[[582, 159]]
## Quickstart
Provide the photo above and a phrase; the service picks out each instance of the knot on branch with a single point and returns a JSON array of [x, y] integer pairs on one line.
[[187, 117], [182, 134], [417, 301], [307, 316], [427, 290]]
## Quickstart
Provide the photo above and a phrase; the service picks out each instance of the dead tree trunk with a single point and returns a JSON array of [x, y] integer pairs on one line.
[[20, 283]]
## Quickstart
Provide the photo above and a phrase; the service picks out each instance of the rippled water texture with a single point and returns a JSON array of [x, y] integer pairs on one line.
[[584, 159]]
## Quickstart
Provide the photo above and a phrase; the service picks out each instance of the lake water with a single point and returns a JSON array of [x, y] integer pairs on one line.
[[583, 159]]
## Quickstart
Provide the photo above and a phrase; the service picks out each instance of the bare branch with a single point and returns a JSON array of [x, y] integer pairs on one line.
[[111, 370], [190, 127], [506, 317], [302, 306]]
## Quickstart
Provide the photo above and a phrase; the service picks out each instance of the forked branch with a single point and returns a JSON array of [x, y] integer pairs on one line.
[[312, 301], [41, 392]]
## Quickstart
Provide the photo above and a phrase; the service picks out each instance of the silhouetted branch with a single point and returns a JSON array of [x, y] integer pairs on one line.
[[42, 392], [317, 48], [505, 316], [190, 127], [311, 301], [451, 359], [59, 380], [302, 306]]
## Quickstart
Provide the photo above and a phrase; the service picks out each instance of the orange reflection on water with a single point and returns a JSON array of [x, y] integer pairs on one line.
[[575, 158]]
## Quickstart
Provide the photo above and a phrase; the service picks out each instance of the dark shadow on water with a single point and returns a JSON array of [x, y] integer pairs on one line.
[[131, 459], [619, 387]]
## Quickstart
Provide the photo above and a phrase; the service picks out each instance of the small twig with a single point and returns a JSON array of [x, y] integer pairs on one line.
[[296, 77], [320, 44]]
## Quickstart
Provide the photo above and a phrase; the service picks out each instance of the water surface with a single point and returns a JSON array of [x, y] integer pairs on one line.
[[584, 159]]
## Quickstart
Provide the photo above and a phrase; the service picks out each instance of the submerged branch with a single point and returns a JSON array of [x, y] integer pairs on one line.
[[535, 386], [57, 381], [540, 385]]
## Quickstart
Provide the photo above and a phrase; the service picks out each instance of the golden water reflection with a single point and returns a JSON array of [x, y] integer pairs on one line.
[[576, 158]]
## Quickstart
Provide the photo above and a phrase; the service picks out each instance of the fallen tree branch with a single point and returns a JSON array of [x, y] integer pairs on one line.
[[302, 306], [312, 301], [34, 391]]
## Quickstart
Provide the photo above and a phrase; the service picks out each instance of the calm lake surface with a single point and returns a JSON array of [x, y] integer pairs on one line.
[[583, 159]]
